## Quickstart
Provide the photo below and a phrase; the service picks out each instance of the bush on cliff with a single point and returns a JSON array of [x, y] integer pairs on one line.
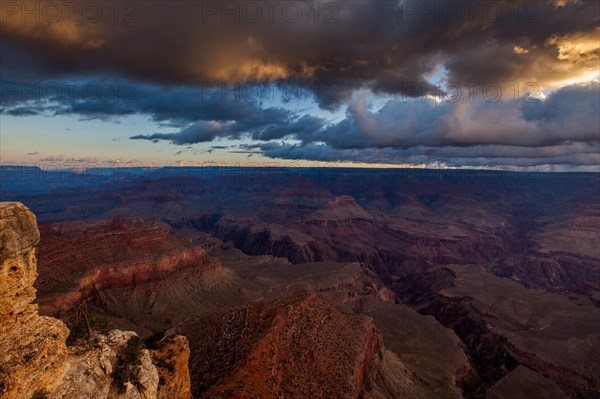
[[155, 341], [128, 364]]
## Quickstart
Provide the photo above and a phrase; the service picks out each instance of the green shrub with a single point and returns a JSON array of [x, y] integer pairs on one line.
[[128, 364], [154, 341]]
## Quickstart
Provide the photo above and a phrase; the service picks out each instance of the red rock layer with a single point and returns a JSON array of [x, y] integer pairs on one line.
[[77, 259]]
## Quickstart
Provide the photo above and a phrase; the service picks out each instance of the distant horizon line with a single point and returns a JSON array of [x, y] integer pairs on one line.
[[470, 168]]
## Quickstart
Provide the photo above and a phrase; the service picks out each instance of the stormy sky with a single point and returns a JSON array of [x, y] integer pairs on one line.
[[382, 82]]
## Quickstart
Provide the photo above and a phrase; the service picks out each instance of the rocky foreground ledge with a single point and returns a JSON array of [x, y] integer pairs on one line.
[[35, 361]]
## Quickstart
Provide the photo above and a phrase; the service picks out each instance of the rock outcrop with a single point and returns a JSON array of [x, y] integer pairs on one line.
[[34, 358], [301, 347], [172, 358], [32, 348], [90, 372]]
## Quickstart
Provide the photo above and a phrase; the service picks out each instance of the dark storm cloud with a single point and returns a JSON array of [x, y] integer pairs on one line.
[[201, 114], [572, 155], [105, 98], [569, 114], [177, 105], [22, 111], [564, 125], [387, 45], [562, 129], [259, 126], [199, 132], [304, 126]]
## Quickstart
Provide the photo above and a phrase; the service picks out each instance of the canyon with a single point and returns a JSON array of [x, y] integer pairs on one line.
[[443, 284]]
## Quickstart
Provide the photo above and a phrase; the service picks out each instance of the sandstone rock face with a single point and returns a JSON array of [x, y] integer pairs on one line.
[[33, 355], [32, 348], [18, 229], [18, 239], [172, 360]]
